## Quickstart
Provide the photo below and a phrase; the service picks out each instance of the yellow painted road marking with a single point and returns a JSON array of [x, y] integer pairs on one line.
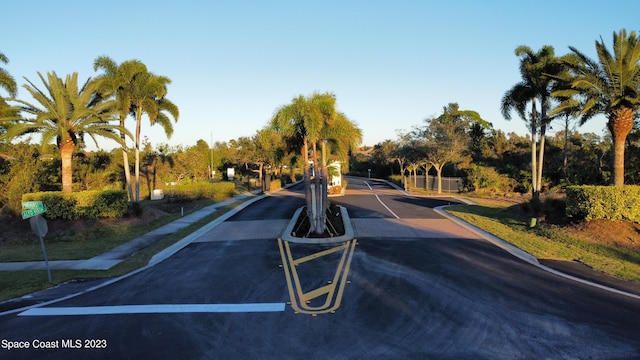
[[333, 291]]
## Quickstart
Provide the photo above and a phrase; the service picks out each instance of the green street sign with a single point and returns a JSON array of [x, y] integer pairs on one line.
[[33, 212], [28, 205]]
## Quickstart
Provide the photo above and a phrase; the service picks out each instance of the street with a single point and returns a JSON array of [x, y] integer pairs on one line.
[[411, 285]]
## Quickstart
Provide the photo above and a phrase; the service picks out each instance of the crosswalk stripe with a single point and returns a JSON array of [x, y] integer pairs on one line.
[[155, 309]]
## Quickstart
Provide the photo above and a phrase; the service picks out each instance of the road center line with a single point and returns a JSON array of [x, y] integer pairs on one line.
[[155, 309], [380, 201]]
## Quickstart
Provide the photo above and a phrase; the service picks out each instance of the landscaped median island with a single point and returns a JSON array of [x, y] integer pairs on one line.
[[609, 246]]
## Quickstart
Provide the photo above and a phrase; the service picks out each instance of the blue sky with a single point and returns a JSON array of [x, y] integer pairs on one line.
[[391, 64]]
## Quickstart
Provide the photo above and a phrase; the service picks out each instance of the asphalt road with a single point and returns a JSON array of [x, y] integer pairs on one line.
[[413, 285]]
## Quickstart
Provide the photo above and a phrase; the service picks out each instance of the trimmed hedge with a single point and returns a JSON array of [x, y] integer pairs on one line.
[[92, 204], [205, 190], [604, 202]]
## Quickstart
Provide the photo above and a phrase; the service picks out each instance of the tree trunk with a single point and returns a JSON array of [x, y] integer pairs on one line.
[[66, 154], [137, 145], [565, 156], [127, 173], [325, 189], [125, 162], [620, 124], [426, 167], [534, 139], [307, 181], [543, 131], [401, 164], [439, 174], [319, 225]]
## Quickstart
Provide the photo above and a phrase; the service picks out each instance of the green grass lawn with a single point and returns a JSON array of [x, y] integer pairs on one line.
[[79, 244], [549, 241], [17, 283]]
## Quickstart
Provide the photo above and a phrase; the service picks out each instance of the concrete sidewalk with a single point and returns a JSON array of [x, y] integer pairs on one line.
[[116, 255]]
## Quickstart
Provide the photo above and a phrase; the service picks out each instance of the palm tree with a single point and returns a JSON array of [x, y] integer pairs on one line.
[[290, 120], [8, 84], [118, 82], [148, 97], [65, 113], [338, 137], [537, 71], [609, 86], [309, 121]]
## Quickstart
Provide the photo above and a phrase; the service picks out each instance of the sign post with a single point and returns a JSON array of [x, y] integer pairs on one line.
[[31, 210]]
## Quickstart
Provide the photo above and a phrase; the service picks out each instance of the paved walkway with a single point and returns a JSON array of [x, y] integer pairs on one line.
[[114, 256]]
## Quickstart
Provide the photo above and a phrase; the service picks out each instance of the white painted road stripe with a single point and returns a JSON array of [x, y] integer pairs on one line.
[[154, 309], [383, 204]]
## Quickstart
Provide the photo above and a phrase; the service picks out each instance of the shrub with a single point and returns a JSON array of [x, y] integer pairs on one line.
[[396, 179], [275, 184], [554, 209], [205, 190], [604, 202], [481, 178], [81, 205]]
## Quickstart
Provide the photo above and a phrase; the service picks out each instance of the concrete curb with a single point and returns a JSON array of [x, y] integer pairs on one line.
[[348, 231], [513, 250]]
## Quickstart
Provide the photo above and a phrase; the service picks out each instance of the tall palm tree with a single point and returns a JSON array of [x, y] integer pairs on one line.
[[65, 113], [609, 86], [289, 120], [337, 138], [537, 70], [311, 121], [148, 97], [7, 83], [118, 82]]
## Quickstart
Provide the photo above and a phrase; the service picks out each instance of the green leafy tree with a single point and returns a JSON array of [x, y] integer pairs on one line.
[[21, 171], [8, 83], [267, 150], [65, 113], [446, 139], [609, 85], [383, 154]]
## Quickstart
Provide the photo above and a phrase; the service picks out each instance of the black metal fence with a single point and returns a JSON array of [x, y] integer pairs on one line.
[[449, 184]]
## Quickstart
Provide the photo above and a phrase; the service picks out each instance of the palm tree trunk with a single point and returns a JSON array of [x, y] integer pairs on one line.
[[125, 162], [66, 154], [307, 182], [534, 139], [137, 145], [565, 157], [543, 131], [319, 226], [620, 124], [325, 189]]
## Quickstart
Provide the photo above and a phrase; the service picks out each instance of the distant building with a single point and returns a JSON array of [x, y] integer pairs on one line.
[[335, 174]]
